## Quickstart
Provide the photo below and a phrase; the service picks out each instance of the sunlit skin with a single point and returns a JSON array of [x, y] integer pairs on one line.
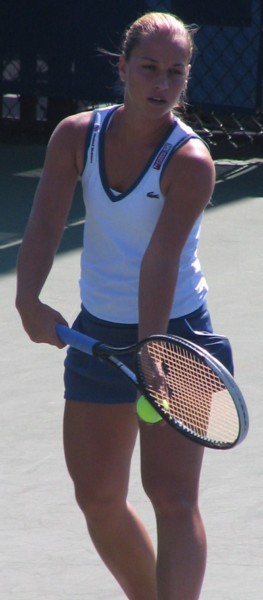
[[99, 439], [155, 76]]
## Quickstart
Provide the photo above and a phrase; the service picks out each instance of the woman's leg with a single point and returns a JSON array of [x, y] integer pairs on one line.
[[170, 471], [99, 441]]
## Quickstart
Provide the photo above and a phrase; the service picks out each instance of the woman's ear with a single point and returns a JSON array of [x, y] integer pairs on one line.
[[122, 68], [187, 74]]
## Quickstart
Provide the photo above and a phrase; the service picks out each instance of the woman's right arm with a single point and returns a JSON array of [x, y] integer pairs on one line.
[[45, 228]]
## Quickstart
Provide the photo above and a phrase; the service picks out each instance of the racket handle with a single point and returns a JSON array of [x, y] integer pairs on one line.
[[75, 339]]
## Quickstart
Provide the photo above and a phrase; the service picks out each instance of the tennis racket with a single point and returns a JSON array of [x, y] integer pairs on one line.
[[188, 387]]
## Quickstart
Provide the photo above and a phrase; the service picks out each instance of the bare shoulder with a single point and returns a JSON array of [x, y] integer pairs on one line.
[[72, 125], [67, 142], [195, 154], [191, 171]]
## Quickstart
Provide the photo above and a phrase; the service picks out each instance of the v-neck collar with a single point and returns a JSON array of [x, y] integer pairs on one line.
[[120, 196]]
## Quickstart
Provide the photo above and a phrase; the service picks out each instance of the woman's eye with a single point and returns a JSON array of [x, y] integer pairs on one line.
[[174, 72]]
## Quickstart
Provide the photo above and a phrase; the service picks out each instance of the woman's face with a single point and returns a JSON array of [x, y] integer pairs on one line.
[[156, 74]]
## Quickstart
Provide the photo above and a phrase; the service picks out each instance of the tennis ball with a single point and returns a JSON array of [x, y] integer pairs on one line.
[[146, 412], [164, 403]]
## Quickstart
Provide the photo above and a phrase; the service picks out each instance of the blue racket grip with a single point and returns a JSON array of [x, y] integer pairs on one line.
[[76, 339]]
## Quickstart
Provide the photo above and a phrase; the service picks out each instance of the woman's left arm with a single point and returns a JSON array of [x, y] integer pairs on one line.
[[187, 185]]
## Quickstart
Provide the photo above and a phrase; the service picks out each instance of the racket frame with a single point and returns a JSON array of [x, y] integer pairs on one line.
[[109, 354], [224, 375]]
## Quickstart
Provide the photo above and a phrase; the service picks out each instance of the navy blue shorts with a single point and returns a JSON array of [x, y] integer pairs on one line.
[[89, 380]]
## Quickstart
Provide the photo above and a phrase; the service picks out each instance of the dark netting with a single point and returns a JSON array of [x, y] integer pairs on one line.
[[50, 66]]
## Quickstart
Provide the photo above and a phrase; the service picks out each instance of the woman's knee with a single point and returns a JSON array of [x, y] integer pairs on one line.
[[170, 500], [176, 507], [98, 505]]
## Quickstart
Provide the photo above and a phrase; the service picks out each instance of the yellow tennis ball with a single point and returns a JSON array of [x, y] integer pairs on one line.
[[165, 404], [146, 412]]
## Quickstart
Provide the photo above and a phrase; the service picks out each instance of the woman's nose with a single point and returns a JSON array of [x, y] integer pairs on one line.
[[162, 82]]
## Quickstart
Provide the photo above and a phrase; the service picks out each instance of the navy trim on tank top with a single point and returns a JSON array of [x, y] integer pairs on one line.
[[176, 147], [102, 169], [88, 139]]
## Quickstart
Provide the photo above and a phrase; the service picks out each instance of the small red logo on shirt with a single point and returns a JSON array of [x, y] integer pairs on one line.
[[161, 156]]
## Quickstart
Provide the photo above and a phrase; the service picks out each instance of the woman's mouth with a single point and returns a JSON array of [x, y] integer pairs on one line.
[[156, 100]]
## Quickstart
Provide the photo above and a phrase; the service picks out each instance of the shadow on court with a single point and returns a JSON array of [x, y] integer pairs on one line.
[[20, 171], [238, 180]]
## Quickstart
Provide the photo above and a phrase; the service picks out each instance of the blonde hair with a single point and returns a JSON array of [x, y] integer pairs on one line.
[[156, 22], [148, 24]]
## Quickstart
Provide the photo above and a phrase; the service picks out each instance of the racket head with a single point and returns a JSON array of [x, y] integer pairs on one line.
[[199, 398]]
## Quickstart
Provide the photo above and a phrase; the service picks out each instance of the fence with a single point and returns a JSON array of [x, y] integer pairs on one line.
[[50, 66]]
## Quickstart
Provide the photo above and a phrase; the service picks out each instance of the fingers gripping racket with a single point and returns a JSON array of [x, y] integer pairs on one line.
[[188, 387]]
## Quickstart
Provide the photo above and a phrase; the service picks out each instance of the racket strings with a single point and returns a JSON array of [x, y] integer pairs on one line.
[[191, 393]]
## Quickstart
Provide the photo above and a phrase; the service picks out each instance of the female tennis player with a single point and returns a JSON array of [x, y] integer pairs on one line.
[[147, 178]]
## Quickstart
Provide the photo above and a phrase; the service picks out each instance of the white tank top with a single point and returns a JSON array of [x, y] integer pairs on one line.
[[118, 228]]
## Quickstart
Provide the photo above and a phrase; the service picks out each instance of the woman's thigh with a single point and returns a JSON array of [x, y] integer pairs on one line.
[[98, 442], [170, 466]]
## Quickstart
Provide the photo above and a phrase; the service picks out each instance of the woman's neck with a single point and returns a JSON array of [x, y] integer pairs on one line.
[[130, 126]]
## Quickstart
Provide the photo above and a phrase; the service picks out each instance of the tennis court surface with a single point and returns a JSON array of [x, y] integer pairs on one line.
[[45, 552]]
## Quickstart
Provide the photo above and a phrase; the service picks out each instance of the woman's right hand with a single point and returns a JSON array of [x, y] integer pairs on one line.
[[39, 321]]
